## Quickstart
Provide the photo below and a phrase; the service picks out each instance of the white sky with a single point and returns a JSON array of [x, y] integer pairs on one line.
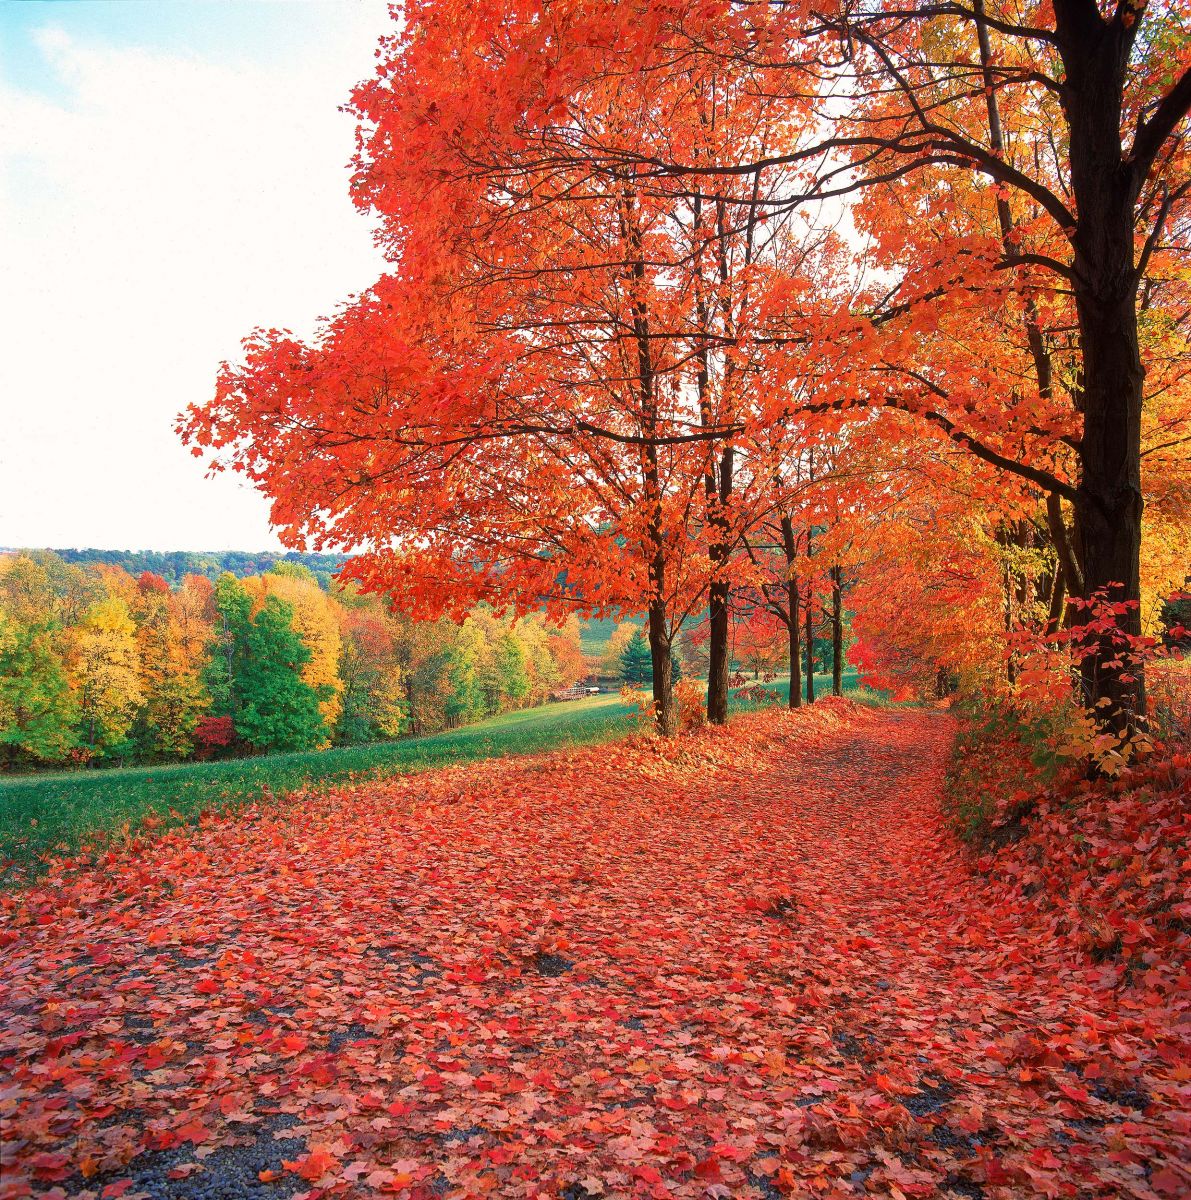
[[166, 185]]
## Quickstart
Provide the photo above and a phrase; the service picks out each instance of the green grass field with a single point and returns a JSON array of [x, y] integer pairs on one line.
[[44, 813], [595, 633], [59, 812], [849, 678]]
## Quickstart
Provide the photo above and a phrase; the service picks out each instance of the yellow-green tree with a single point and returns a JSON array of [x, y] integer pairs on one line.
[[374, 696], [315, 622], [105, 674], [37, 709], [171, 663]]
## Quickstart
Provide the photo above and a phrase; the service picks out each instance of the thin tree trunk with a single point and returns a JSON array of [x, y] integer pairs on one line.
[[810, 601], [665, 709], [793, 612], [717, 653], [1058, 597], [837, 632], [810, 647], [792, 627]]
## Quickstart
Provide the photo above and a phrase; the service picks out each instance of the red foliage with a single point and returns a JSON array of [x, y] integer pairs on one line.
[[214, 733], [753, 963], [148, 582]]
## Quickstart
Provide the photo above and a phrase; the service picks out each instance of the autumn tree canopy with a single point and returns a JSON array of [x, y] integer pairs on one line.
[[644, 258]]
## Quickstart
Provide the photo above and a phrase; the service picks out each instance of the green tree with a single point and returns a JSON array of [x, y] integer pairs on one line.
[[465, 698], [255, 672], [635, 662], [37, 708], [233, 615], [275, 709], [502, 677]]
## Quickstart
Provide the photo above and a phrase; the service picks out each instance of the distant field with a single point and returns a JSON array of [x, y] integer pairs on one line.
[[849, 678], [595, 634], [63, 811]]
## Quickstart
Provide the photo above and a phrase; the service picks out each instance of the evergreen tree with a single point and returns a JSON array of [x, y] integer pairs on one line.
[[636, 664]]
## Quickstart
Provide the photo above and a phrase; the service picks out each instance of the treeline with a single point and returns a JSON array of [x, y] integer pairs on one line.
[[174, 565], [100, 666]]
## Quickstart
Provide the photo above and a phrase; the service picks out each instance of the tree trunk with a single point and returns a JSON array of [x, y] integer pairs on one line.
[[717, 665], [810, 648], [1108, 502], [793, 612], [793, 625], [1058, 595], [660, 652], [837, 632]]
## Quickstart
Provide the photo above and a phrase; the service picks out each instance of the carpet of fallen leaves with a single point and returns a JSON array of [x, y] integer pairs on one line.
[[754, 965]]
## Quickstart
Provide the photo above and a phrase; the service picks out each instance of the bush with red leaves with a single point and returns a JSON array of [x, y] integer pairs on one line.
[[213, 735]]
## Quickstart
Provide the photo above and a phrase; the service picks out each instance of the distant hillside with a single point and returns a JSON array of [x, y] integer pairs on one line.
[[173, 565]]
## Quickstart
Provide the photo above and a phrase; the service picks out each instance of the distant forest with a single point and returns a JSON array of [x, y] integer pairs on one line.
[[174, 565]]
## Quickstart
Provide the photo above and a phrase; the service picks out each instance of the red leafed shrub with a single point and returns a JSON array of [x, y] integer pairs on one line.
[[213, 734]]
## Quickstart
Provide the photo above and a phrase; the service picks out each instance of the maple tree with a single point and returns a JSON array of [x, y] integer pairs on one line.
[[370, 671], [104, 660], [171, 658], [958, 94], [1065, 249], [573, 356]]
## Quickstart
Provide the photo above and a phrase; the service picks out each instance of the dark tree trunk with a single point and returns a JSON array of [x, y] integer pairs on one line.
[[717, 665], [793, 612], [837, 632], [665, 710], [1108, 502], [719, 591], [718, 487], [810, 629], [793, 625], [810, 648], [661, 654], [1058, 596]]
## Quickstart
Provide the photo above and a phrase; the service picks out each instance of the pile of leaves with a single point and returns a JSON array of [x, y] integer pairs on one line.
[[756, 962]]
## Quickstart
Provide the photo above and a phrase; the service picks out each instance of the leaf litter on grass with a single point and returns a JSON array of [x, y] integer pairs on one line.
[[753, 963]]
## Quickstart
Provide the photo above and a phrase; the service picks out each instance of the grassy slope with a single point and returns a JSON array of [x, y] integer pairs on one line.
[[61, 810], [595, 634], [39, 813]]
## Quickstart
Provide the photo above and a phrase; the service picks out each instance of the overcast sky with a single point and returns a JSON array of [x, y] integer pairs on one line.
[[171, 176]]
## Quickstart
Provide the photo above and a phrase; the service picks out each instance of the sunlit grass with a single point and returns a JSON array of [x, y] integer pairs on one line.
[[62, 812]]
